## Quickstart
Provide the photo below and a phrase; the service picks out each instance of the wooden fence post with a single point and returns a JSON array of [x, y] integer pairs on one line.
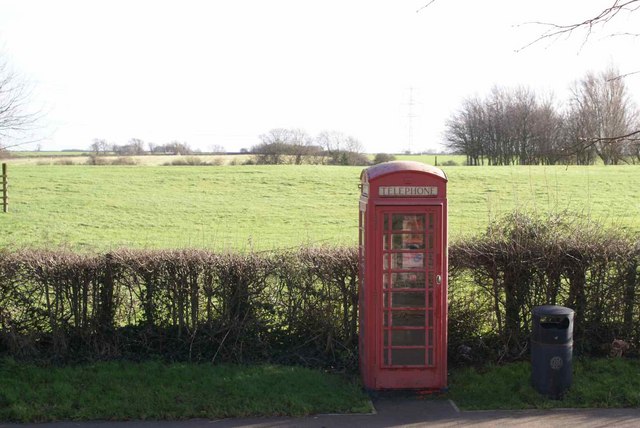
[[5, 194]]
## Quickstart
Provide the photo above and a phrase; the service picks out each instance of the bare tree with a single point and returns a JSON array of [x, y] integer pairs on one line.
[[16, 119], [281, 145], [332, 142], [509, 126], [273, 147], [218, 149], [606, 117], [178, 148], [341, 149], [135, 146], [99, 146], [303, 147], [466, 129]]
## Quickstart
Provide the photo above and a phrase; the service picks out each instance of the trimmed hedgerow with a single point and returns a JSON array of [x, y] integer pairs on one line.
[[300, 307], [523, 261], [289, 307]]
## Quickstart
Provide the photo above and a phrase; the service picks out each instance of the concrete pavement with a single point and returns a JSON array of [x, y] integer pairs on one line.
[[396, 411]]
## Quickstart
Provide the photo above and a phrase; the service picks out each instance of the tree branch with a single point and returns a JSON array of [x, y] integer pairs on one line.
[[426, 6], [606, 15]]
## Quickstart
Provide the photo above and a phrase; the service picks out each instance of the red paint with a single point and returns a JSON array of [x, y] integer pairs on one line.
[[403, 252]]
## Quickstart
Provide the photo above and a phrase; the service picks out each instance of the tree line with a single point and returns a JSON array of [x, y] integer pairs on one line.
[[296, 146], [137, 147], [277, 146], [519, 127]]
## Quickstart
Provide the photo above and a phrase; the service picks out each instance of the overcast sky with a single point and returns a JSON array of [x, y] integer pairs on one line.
[[224, 72]]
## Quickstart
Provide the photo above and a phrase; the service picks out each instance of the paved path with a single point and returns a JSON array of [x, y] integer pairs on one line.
[[397, 412]]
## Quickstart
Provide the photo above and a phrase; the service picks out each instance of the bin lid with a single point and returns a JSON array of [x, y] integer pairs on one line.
[[552, 310]]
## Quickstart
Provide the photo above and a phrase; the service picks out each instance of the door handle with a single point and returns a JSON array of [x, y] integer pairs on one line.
[[438, 279]]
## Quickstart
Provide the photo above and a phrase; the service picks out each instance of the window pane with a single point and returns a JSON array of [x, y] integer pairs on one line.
[[403, 241], [407, 357], [408, 280], [407, 338], [404, 261], [408, 222], [408, 299], [408, 318]]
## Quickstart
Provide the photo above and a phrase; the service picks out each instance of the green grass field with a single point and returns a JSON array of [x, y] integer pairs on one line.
[[266, 207], [156, 391]]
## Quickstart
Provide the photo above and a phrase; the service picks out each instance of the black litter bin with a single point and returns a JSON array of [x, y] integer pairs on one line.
[[552, 350]]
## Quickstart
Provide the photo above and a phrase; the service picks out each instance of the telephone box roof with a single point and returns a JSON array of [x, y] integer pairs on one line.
[[397, 166]]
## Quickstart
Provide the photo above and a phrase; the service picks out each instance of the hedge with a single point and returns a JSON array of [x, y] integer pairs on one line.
[[300, 307], [523, 261]]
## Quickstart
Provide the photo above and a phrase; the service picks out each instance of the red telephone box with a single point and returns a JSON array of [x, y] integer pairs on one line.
[[403, 276]]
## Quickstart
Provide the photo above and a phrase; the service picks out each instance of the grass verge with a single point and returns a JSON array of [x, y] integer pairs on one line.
[[155, 390], [597, 383]]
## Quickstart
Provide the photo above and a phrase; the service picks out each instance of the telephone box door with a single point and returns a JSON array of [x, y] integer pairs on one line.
[[411, 307]]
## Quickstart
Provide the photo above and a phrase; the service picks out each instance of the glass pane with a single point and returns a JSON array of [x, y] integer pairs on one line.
[[408, 280], [430, 357], [407, 318], [406, 338], [385, 261], [430, 318], [407, 357], [409, 222], [431, 242], [386, 222], [431, 280], [431, 221], [404, 261], [407, 242], [386, 357], [385, 319], [385, 281], [407, 299], [430, 335], [430, 303], [385, 241], [430, 257]]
